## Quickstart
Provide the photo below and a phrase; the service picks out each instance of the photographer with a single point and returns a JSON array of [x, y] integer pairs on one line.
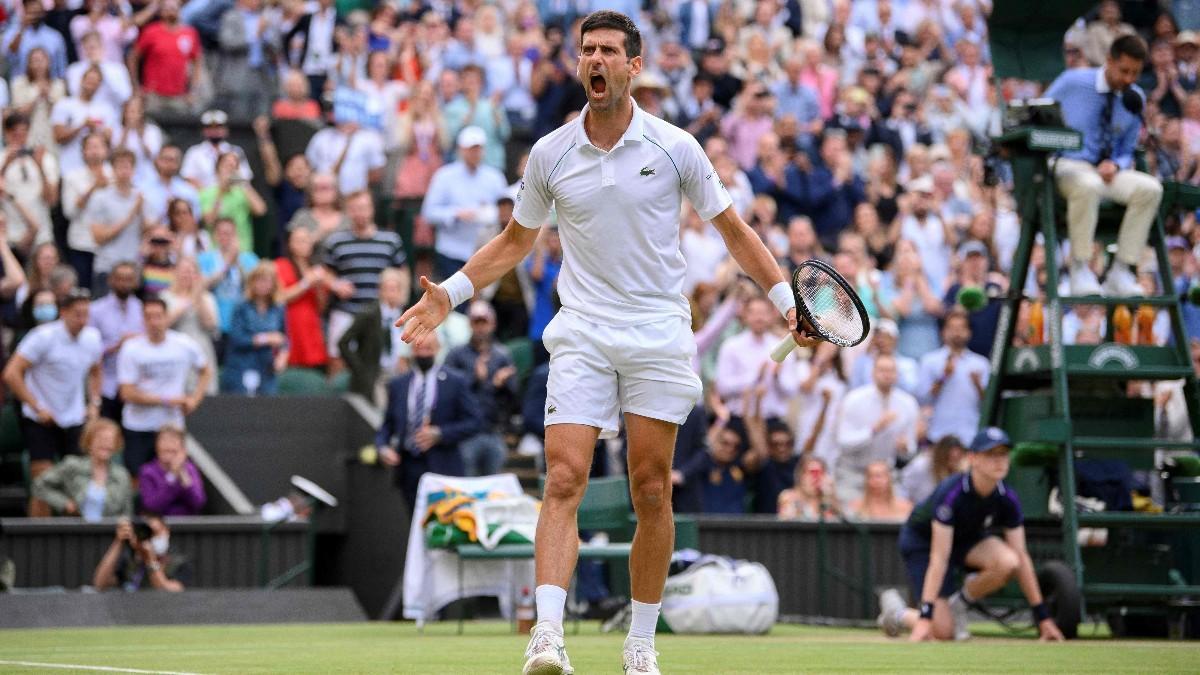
[[139, 557], [1105, 105]]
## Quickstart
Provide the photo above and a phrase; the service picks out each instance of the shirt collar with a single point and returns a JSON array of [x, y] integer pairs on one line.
[[635, 131], [1101, 82]]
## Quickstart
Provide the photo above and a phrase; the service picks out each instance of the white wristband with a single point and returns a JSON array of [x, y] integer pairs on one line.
[[781, 295], [459, 288]]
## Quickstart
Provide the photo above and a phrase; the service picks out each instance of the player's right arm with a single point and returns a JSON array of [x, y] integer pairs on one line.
[[939, 561], [489, 263]]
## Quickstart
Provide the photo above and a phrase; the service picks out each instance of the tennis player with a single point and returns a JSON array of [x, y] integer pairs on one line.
[[952, 530], [622, 342]]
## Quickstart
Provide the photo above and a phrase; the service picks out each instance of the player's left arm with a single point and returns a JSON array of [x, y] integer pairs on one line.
[[756, 260], [1027, 578]]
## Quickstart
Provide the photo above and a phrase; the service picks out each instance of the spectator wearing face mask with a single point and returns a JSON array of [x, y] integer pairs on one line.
[[430, 411], [48, 374]]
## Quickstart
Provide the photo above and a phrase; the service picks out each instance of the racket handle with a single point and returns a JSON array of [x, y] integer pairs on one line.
[[781, 350]]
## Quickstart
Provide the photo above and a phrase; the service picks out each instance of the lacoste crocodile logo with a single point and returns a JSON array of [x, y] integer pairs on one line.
[[647, 171], [551, 409]]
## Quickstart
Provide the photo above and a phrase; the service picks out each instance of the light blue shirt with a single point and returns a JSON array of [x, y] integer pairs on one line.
[[1082, 93], [253, 41], [158, 195], [956, 407], [799, 101], [43, 36], [864, 368], [455, 187]]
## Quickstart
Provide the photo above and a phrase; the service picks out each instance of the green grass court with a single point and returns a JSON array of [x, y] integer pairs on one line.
[[492, 648]]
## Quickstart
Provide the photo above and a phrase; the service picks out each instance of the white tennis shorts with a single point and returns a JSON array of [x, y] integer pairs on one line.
[[598, 371]]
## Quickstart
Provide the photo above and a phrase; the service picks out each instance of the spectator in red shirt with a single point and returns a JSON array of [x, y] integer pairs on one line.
[[161, 58]]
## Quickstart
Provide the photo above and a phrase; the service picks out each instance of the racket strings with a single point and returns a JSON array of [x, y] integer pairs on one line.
[[832, 310]]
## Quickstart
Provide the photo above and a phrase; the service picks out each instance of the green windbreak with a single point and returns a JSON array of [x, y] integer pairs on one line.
[[1027, 36]]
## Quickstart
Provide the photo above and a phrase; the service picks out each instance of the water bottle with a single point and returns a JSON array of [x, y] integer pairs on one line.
[[525, 611], [251, 379]]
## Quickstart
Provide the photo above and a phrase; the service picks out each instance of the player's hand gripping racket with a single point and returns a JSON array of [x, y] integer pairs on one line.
[[829, 305]]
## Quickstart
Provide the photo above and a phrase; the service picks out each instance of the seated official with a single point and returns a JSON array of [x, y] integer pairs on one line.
[[955, 530], [1105, 105]]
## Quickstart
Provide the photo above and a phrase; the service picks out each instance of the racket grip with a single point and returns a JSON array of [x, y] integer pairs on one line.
[[781, 350]]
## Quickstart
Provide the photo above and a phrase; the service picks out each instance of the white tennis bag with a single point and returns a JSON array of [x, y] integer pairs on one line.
[[720, 595]]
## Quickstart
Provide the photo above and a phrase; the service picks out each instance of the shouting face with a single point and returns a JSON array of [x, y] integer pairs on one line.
[[605, 70]]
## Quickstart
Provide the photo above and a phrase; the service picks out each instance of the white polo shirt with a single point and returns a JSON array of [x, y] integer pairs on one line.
[[60, 364], [619, 215]]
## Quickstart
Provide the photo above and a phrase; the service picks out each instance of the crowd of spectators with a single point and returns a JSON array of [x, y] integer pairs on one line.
[[848, 131]]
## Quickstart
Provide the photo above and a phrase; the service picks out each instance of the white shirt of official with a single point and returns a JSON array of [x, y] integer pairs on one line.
[[160, 369], [618, 215], [59, 364]]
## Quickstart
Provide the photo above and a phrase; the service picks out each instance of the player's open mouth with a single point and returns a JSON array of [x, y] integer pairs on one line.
[[599, 84]]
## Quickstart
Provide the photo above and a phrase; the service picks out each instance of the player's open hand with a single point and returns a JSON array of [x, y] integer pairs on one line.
[[1048, 631], [802, 332], [430, 311]]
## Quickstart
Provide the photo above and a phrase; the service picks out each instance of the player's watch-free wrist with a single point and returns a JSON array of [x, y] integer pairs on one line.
[[782, 297], [926, 610]]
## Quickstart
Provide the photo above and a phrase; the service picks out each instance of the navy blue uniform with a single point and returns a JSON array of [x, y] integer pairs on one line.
[[973, 517]]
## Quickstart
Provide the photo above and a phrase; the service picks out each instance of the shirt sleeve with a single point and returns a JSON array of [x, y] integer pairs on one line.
[[700, 181], [1011, 515], [533, 197], [33, 347], [127, 370]]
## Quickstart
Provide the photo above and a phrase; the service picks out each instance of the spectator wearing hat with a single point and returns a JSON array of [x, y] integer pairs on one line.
[[884, 336], [461, 200], [649, 90], [921, 225], [31, 32], [168, 62], [493, 377], [1187, 48], [48, 374], [200, 160], [347, 150], [953, 380], [79, 116], [973, 267]]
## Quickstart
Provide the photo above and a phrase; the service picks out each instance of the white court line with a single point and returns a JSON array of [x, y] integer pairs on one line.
[[106, 669]]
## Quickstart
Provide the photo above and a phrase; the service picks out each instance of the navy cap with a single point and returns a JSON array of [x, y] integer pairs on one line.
[[989, 438]]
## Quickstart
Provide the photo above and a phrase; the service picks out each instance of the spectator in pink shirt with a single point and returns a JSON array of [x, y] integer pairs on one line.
[[751, 119], [171, 485]]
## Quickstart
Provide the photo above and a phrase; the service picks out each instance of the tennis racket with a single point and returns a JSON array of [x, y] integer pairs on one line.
[[828, 303]]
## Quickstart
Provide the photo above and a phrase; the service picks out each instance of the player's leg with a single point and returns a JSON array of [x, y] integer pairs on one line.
[[651, 446]]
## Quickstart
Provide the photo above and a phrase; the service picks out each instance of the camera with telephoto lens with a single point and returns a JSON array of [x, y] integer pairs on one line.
[[141, 532]]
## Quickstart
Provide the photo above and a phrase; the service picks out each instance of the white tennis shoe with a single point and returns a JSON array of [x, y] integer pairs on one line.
[[958, 609], [891, 605], [640, 657], [546, 654]]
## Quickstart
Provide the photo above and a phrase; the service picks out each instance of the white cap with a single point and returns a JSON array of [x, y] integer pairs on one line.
[[887, 326], [469, 137]]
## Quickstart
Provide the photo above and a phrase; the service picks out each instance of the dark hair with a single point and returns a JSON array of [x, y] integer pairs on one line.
[[75, 296], [957, 313], [617, 21], [154, 300], [125, 263], [14, 120], [1128, 45]]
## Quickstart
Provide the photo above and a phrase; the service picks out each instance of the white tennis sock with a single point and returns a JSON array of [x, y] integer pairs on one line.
[[645, 619], [550, 601]]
